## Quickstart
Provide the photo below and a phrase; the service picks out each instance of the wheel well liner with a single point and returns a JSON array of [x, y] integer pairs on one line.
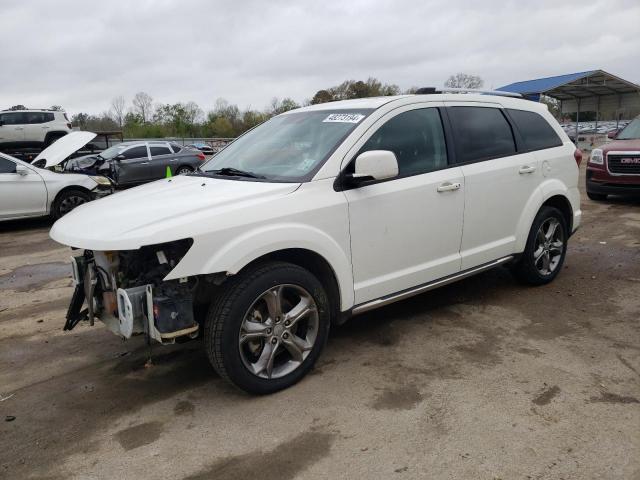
[[317, 265], [562, 203]]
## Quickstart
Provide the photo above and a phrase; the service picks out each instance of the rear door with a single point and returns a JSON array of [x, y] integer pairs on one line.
[[12, 127], [35, 127], [135, 167], [499, 180], [21, 195], [161, 158]]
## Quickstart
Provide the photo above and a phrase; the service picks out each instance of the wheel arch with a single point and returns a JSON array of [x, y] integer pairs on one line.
[[56, 133], [552, 193], [302, 245]]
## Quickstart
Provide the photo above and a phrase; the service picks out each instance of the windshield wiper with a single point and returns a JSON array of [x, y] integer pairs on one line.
[[234, 172]]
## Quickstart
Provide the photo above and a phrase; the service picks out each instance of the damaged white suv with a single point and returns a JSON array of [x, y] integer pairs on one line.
[[321, 213]]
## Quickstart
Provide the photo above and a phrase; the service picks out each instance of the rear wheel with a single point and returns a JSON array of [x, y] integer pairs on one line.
[[598, 197], [267, 327], [67, 201], [545, 250], [184, 170]]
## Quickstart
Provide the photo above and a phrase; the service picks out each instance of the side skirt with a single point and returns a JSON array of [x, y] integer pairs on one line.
[[395, 297]]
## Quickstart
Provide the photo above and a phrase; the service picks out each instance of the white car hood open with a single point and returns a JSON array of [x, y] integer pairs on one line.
[[64, 146], [184, 206]]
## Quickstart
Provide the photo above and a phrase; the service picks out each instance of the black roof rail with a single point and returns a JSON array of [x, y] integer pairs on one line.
[[434, 90]]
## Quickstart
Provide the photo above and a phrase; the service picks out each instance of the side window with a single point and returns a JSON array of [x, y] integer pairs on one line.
[[535, 130], [7, 166], [33, 117], [417, 139], [136, 152], [481, 133], [159, 150], [13, 118], [48, 117], [176, 147]]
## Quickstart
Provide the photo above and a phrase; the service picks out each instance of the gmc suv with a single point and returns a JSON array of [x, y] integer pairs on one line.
[[615, 167], [32, 128], [322, 213]]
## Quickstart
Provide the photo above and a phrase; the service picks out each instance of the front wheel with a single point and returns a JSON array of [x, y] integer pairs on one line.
[[545, 250], [267, 327], [67, 201]]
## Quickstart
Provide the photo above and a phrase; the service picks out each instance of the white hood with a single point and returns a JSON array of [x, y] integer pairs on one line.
[[163, 211], [64, 146]]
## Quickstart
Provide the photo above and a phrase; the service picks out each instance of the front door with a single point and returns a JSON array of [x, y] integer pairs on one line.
[[135, 167], [21, 195], [12, 128], [406, 231]]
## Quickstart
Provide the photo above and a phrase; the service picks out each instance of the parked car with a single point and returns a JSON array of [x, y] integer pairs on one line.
[[133, 163], [322, 213], [32, 128], [30, 191], [614, 169], [203, 147]]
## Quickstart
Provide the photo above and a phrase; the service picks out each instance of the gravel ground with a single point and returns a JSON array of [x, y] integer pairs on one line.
[[484, 379]]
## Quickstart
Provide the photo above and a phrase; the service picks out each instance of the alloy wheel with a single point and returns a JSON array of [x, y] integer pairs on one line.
[[69, 203], [278, 331], [549, 246]]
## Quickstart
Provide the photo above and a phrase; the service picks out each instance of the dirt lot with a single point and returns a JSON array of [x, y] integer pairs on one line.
[[484, 379]]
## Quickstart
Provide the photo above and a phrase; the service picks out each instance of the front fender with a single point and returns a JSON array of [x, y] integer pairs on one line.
[[547, 189], [237, 252]]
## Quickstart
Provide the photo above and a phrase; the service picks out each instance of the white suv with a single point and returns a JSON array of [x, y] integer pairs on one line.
[[322, 213], [32, 128]]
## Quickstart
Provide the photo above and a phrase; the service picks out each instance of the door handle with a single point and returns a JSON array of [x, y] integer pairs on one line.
[[526, 169], [19, 128], [448, 186], [144, 163]]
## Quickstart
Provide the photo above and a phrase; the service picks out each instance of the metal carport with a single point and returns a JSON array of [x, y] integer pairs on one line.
[[594, 90]]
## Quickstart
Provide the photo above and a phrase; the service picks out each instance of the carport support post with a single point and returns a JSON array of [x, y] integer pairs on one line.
[[597, 113], [577, 121]]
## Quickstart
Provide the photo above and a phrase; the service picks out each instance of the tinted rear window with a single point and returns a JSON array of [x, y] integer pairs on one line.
[[176, 148], [535, 130], [159, 150], [481, 133]]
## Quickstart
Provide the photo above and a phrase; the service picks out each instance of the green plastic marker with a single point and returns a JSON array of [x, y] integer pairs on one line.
[[169, 172]]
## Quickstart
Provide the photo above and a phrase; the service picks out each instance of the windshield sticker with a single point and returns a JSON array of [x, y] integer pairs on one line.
[[344, 117]]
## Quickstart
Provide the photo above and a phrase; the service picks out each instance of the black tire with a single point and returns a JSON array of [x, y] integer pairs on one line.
[[67, 200], [183, 170], [597, 197], [227, 314], [528, 270]]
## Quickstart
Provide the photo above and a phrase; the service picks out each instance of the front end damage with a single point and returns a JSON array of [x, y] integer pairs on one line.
[[126, 291]]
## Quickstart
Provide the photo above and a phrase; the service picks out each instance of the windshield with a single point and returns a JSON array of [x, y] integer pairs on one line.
[[631, 131], [112, 152], [290, 147]]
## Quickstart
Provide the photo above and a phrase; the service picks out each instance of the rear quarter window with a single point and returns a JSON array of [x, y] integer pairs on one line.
[[535, 131]]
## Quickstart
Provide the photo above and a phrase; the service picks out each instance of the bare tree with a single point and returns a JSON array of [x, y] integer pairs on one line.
[[118, 110], [464, 80], [55, 108], [143, 106]]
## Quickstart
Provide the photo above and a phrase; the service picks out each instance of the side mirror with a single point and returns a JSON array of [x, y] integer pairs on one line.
[[120, 157], [613, 134], [22, 170], [375, 165]]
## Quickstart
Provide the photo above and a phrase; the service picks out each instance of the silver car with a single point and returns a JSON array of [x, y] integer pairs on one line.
[[132, 163]]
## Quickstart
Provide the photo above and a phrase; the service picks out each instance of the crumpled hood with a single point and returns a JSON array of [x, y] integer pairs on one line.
[[166, 210]]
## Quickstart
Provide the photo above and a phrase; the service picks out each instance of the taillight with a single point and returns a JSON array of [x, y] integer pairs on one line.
[[201, 156], [578, 156]]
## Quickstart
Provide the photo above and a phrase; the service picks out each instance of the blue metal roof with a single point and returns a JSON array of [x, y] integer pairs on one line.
[[541, 85]]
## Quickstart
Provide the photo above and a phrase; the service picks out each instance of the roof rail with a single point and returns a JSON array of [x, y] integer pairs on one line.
[[498, 93]]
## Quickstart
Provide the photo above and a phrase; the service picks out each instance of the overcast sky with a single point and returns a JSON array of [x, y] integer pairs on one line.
[[82, 53]]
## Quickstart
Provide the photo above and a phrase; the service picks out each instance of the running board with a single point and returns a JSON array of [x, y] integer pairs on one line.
[[395, 297]]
